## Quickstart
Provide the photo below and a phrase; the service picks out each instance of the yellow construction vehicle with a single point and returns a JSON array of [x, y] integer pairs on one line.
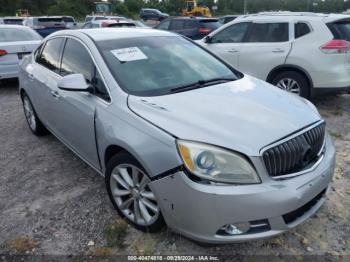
[[192, 9], [22, 13]]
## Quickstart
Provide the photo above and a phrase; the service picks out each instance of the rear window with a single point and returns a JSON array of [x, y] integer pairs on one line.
[[15, 34], [49, 19], [68, 19], [100, 18], [340, 30], [210, 24], [13, 21]]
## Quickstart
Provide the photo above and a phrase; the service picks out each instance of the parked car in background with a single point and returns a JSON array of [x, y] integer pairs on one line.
[[304, 53], [92, 18], [108, 23], [180, 135], [192, 27], [69, 21], [227, 18], [45, 25], [152, 14], [15, 42], [9, 20]]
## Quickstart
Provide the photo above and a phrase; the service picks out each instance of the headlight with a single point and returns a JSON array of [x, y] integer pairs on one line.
[[216, 164]]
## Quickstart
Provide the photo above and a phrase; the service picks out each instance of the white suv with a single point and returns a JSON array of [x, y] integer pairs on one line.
[[304, 53]]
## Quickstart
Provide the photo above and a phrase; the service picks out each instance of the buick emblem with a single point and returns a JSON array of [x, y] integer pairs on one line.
[[24, 48], [306, 151]]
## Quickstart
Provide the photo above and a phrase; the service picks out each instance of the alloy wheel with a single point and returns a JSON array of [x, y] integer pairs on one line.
[[29, 113], [290, 85], [132, 194]]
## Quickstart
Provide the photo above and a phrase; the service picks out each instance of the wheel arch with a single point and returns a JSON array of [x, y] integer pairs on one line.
[[283, 68]]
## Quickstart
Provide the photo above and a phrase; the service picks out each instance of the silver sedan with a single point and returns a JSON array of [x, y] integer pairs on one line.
[[181, 137], [15, 42]]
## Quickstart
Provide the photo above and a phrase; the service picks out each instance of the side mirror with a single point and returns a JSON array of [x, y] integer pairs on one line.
[[74, 83], [207, 39]]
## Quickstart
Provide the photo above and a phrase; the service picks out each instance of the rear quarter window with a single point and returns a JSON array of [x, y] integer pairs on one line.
[[301, 29]]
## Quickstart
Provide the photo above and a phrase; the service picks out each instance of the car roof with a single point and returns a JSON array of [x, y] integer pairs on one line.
[[14, 26], [286, 15], [108, 33], [192, 18]]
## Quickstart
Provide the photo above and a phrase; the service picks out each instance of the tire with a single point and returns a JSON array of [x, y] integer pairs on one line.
[[123, 188], [282, 80], [34, 123]]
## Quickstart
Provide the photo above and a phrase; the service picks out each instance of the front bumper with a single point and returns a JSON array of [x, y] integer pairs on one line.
[[198, 210]]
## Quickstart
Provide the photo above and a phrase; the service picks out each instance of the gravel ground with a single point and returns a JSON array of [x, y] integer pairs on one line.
[[51, 202]]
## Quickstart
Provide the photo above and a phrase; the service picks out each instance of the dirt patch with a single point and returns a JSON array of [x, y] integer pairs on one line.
[[49, 195]]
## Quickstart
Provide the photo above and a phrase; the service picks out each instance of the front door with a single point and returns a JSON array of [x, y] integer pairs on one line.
[[227, 43]]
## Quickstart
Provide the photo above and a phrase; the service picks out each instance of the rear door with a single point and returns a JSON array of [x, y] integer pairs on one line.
[[227, 43], [266, 47], [177, 26]]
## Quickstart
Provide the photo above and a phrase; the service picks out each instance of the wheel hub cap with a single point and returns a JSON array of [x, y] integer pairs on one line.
[[289, 85], [132, 194]]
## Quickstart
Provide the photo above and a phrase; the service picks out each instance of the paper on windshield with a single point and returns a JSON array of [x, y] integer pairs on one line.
[[129, 54]]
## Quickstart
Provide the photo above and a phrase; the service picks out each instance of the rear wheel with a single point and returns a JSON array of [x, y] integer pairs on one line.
[[33, 121], [293, 82], [129, 190]]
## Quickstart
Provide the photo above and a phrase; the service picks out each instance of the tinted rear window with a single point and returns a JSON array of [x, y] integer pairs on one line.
[[269, 33], [210, 24], [14, 34], [68, 19], [301, 29], [13, 21], [340, 30], [49, 19]]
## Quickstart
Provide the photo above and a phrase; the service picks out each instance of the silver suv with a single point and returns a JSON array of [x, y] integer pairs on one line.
[[180, 136]]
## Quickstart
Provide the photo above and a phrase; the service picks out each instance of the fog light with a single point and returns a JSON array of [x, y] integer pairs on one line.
[[236, 229]]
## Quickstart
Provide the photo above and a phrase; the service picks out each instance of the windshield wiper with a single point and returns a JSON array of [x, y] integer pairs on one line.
[[201, 84]]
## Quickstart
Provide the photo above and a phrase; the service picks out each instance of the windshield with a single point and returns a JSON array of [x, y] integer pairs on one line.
[[16, 34], [150, 66]]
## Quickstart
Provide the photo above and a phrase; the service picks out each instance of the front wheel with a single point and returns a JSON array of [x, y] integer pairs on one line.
[[129, 190], [293, 82], [34, 123]]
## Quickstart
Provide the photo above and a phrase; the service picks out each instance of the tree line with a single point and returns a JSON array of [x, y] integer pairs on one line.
[[131, 8]]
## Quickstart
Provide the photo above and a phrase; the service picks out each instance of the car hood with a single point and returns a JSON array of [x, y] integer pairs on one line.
[[243, 115]]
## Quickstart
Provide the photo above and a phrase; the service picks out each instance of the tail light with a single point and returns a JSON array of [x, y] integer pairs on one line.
[[336, 47], [3, 52], [204, 30]]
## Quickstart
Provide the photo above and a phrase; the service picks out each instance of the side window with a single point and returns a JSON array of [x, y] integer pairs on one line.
[[269, 32], [76, 60], [301, 29], [232, 34], [177, 24], [100, 88], [164, 25], [189, 24], [50, 55], [87, 25]]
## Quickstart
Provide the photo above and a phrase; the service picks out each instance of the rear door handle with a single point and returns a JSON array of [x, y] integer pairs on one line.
[[55, 94], [278, 50]]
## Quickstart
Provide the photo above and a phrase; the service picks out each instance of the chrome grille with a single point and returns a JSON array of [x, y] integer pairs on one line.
[[295, 154]]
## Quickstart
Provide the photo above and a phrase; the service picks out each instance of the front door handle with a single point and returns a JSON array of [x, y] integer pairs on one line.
[[233, 51], [55, 94], [278, 50]]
